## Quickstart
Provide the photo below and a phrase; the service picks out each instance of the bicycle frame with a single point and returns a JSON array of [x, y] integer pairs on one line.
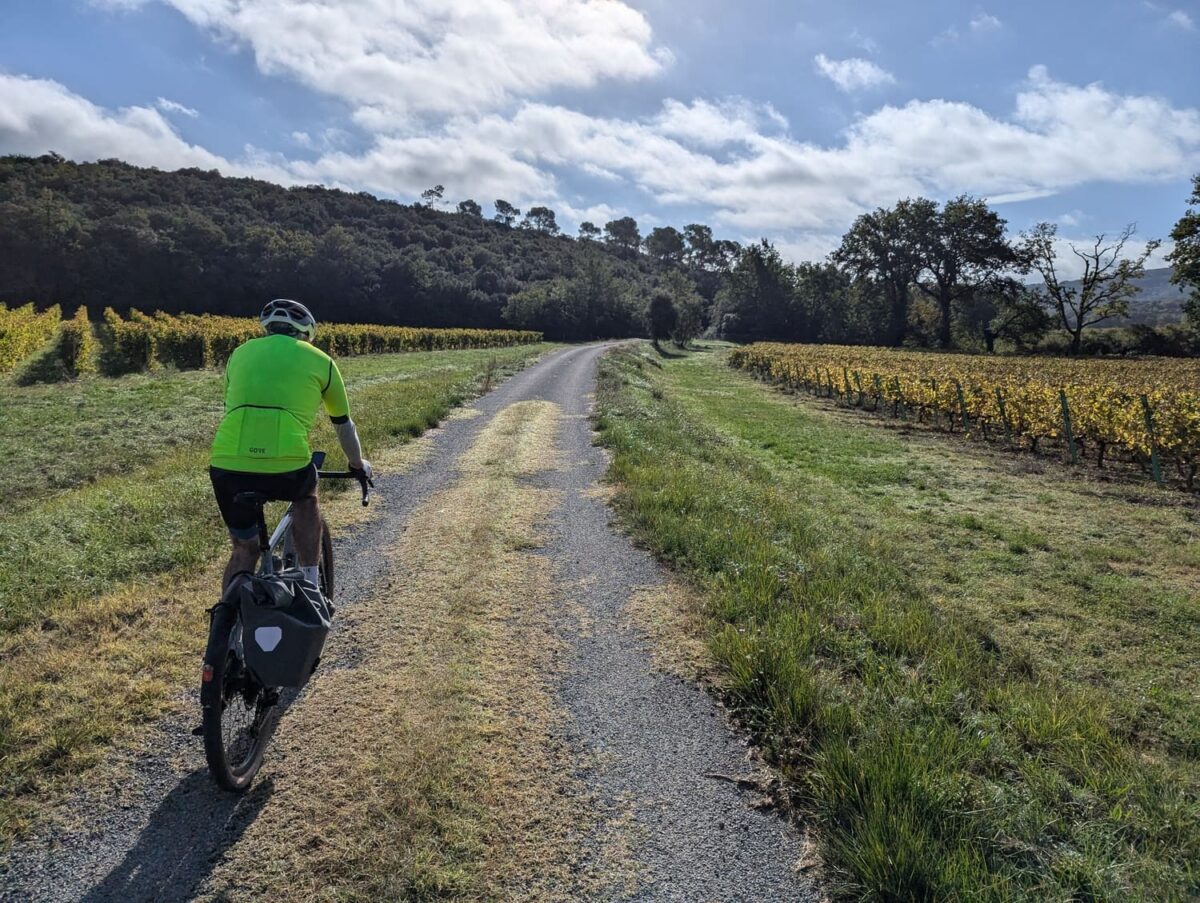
[[267, 562], [283, 528]]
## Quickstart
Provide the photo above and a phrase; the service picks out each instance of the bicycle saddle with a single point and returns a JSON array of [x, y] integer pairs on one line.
[[251, 498]]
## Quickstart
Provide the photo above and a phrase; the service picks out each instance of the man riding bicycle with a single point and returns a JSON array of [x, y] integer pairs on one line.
[[273, 387]]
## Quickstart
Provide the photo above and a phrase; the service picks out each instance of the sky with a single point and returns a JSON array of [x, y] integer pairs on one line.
[[762, 118]]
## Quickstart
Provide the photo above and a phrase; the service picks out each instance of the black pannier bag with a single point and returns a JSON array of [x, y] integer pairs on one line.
[[285, 621]]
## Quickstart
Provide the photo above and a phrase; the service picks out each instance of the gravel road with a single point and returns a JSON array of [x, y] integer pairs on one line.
[[650, 739]]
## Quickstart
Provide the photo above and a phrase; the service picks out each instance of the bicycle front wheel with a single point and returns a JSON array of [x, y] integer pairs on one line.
[[238, 712]]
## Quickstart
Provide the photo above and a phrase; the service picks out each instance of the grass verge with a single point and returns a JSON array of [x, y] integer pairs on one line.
[[429, 769], [980, 683], [132, 454], [113, 626]]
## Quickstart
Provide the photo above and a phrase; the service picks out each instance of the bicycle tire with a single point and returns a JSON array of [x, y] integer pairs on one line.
[[326, 561], [237, 713]]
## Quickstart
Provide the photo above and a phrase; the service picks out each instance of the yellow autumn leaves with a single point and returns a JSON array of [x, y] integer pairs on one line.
[[999, 397]]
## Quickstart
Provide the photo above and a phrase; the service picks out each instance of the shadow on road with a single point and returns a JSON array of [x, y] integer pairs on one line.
[[182, 842]]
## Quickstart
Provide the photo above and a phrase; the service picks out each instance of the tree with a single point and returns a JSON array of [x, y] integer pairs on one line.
[[1107, 284], [432, 197], [1018, 315], [1185, 258], [822, 297], [665, 245], [880, 247], [506, 213], [757, 300], [470, 208], [623, 234], [959, 250], [540, 219], [589, 231], [701, 248], [689, 307], [660, 316]]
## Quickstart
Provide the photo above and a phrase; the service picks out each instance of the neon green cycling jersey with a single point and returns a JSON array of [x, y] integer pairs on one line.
[[273, 388]]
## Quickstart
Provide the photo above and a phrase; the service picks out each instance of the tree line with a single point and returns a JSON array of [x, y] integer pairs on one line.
[[918, 273], [949, 276]]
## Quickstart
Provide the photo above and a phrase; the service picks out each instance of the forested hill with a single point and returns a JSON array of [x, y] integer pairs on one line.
[[1158, 302], [109, 233]]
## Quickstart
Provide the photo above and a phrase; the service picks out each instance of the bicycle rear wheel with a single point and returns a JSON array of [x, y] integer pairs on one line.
[[326, 561], [238, 712]]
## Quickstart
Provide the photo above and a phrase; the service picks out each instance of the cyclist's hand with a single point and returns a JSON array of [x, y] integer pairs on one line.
[[365, 466]]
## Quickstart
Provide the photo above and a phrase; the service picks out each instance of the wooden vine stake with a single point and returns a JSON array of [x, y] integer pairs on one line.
[[899, 398], [878, 392], [1066, 415], [1004, 417], [962, 407], [1155, 465], [862, 398]]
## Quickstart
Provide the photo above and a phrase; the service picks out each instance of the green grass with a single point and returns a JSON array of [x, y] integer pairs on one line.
[[106, 479], [981, 682], [104, 585]]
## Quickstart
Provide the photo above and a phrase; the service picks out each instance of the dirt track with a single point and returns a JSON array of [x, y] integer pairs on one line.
[[644, 744]]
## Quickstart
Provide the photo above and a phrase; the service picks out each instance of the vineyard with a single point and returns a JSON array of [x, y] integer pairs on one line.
[[23, 331], [1142, 411], [189, 342]]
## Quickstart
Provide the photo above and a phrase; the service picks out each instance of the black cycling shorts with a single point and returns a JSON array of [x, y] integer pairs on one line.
[[240, 517]]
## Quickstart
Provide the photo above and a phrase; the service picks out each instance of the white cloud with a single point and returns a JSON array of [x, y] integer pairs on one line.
[[171, 106], [985, 22], [1181, 19], [391, 60], [864, 42], [852, 74], [459, 157], [328, 139], [37, 115], [714, 125], [949, 36], [731, 157]]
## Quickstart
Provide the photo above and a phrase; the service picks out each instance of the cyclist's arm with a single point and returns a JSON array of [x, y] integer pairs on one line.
[[337, 405]]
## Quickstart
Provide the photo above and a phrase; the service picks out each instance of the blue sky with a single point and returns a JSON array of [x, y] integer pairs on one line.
[[763, 118]]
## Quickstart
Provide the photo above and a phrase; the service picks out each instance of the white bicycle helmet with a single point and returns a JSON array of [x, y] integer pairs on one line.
[[291, 315]]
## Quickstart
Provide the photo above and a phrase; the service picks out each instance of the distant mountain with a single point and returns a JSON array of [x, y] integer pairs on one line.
[[1159, 303]]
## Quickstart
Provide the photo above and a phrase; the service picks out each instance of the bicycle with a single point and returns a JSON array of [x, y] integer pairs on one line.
[[239, 714]]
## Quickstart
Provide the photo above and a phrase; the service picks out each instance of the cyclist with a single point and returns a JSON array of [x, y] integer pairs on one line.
[[273, 387]]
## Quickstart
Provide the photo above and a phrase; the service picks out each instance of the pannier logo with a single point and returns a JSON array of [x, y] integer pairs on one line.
[[258, 451], [268, 637]]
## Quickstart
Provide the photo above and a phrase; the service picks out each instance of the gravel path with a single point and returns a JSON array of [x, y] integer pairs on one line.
[[652, 738]]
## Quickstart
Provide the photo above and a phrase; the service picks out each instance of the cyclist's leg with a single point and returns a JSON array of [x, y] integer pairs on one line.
[[239, 517], [244, 557], [306, 516], [306, 530]]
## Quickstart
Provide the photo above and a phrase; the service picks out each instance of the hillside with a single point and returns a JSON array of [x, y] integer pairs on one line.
[[109, 233], [1159, 303]]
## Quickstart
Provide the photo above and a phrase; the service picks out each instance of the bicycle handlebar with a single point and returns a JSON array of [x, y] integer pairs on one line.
[[363, 480]]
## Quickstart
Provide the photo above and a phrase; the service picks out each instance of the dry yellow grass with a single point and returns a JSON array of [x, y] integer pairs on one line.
[[431, 766], [84, 686], [671, 617]]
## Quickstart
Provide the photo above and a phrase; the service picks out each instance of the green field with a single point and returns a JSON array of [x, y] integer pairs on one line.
[[981, 680], [107, 514]]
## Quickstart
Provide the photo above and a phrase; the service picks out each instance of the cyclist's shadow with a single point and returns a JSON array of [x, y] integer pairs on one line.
[[182, 842]]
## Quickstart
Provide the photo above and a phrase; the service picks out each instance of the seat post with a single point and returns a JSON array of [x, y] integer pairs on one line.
[[264, 540]]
